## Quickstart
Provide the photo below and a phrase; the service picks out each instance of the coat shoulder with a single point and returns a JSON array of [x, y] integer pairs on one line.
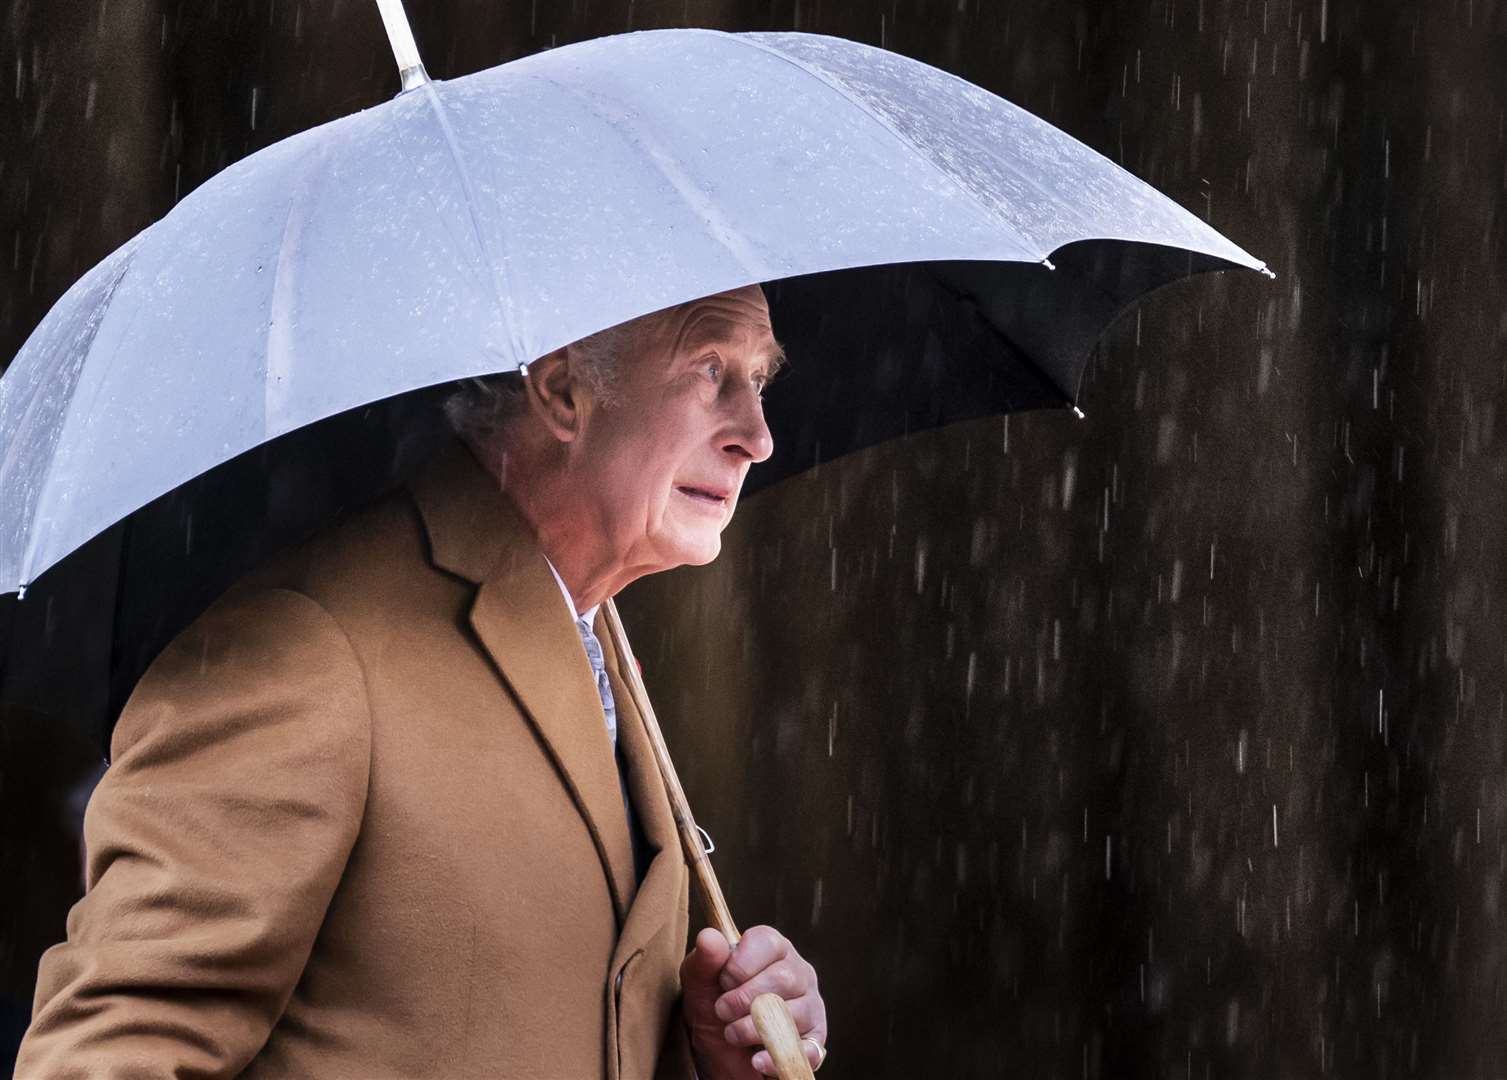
[[365, 565]]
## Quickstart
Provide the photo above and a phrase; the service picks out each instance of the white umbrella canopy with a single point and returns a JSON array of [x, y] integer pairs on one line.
[[470, 226]]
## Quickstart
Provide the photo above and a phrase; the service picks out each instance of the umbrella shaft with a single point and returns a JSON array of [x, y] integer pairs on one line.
[[404, 50], [680, 807], [706, 880], [771, 1014]]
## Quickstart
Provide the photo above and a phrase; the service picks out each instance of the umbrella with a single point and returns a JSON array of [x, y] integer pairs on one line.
[[470, 226]]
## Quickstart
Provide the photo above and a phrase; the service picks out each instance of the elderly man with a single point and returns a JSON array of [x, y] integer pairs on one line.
[[387, 809]]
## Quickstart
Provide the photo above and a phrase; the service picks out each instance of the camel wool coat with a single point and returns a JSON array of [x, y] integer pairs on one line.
[[363, 820]]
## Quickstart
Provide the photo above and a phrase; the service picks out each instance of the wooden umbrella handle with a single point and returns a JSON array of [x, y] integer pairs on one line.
[[771, 1015]]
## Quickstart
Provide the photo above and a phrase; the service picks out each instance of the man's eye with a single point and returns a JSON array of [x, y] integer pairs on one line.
[[713, 369]]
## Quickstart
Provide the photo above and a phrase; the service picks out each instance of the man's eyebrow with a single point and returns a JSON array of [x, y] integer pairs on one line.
[[774, 359]]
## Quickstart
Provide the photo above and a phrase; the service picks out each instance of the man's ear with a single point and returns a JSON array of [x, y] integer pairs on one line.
[[554, 394]]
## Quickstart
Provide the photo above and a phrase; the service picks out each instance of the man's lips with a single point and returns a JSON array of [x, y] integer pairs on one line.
[[709, 496]]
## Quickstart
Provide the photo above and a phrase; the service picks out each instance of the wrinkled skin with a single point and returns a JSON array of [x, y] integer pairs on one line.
[[648, 482]]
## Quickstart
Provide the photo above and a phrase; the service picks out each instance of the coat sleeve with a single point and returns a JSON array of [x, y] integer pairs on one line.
[[215, 842]]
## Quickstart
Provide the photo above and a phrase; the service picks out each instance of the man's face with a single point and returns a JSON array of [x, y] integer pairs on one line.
[[663, 465]]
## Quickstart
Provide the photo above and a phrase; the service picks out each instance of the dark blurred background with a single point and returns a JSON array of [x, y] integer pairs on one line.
[[1166, 743]]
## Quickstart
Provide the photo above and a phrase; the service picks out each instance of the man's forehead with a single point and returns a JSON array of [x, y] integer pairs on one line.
[[705, 328], [726, 318]]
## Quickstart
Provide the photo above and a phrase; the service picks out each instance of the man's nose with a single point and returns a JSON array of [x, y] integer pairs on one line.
[[748, 435]]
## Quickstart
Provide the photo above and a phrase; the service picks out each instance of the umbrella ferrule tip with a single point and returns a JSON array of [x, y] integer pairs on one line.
[[1079, 413], [1048, 264]]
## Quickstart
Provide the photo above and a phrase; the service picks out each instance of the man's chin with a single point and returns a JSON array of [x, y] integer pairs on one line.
[[706, 553], [698, 552]]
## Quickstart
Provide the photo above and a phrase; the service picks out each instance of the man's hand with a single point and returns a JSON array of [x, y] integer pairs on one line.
[[719, 984]]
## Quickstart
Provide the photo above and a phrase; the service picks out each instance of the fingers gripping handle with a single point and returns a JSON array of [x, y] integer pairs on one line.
[[777, 1031], [771, 1016]]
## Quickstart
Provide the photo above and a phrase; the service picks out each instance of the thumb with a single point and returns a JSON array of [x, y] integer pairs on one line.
[[702, 966]]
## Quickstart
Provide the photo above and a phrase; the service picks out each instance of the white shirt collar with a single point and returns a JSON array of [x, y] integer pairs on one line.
[[590, 616]]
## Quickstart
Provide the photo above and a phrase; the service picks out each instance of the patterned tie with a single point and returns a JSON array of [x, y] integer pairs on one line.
[[599, 669], [641, 854]]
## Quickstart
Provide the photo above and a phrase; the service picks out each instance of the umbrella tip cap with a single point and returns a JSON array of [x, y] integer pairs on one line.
[[1079, 413], [1269, 272], [1048, 264], [413, 78]]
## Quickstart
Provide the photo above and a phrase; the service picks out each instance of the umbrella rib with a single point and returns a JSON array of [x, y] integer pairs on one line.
[[721, 229], [28, 556], [1027, 241], [1014, 350], [279, 370], [494, 268]]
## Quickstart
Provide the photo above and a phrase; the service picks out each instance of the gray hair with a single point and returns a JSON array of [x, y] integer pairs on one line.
[[479, 410]]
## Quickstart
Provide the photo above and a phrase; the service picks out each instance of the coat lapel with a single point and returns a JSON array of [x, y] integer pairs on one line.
[[522, 622]]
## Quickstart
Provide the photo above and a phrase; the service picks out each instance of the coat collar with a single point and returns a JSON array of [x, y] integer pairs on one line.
[[467, 517], [520, 619]]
